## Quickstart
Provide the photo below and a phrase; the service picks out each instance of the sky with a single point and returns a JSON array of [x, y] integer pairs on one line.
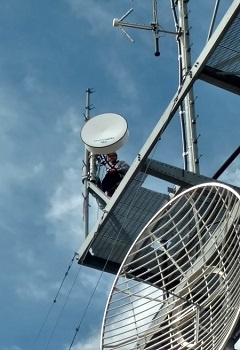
[[51, 52]]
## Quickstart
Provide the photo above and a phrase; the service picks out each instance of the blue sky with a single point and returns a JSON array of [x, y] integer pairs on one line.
[[51, 51]]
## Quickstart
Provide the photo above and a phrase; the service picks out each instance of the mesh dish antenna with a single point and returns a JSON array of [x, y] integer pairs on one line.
[[105, 133], [179, 285]]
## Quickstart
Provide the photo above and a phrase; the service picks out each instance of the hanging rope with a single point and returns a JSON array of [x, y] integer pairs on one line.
[[86, 309], [54, 301], [63, 307]]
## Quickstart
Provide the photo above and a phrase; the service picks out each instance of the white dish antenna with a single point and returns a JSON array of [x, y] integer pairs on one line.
[[179, 285], [105, 133]]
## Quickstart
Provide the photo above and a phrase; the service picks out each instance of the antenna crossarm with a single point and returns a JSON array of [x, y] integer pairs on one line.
[[133, 25], [167, 31], [152, 26]]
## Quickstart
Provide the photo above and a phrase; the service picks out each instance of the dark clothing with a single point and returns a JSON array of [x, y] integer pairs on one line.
[[113, 178], [110, 181]]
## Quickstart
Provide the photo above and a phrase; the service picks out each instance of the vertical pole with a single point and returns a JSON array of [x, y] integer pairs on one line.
[[190, 117], [85, 172]]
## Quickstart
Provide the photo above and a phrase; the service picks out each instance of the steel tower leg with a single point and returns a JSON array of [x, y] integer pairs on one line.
[[190, 117]]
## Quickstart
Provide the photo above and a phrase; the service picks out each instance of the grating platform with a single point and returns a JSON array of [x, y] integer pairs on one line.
[[125, 221], [223, 67]]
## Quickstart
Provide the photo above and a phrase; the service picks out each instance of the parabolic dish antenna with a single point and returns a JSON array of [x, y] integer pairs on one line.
[[179, 285], [105, 133]]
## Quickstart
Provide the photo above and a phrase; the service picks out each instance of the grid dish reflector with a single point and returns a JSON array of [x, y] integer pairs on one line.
[[179, 284]]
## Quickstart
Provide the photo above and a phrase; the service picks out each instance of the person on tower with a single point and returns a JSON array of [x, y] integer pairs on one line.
[[115, 173]]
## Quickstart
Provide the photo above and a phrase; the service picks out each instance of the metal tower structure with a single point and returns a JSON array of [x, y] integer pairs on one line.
[[131, 240]]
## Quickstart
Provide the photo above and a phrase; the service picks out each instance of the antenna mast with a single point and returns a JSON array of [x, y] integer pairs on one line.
[[86, 169], [185, 66]]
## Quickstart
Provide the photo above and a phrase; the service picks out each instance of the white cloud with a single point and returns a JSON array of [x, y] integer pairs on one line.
[[32, 85], [36, 286], [93, 12], [65, 212], [62, 206], [65, 215], [26, 256], [38, 168], [124, 81], [64, 201], [232, 176], [69, 121], [16, 143], [32, 290], [17, 174], [91, 343]]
